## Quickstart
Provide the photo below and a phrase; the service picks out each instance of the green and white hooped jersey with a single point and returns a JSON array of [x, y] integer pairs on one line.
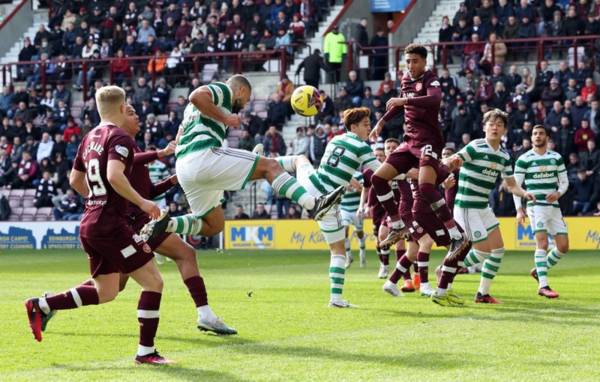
[[158, 172], [201, 132], [479, 172], [541, 174], [343, 156], [351, 199]]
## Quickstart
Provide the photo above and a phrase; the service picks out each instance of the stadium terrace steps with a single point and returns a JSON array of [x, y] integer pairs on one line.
[[429, 32], [40, 17]]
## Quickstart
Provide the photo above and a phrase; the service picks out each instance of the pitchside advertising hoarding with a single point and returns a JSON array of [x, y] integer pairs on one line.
[[584, 233]]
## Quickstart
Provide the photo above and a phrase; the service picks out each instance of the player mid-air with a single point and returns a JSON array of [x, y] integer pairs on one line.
[[422, 148], [205, 169], [482, 161], [103, 162], [545, 175]]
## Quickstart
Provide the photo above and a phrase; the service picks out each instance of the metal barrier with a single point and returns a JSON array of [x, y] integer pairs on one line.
[[443, 52], [83, 72]]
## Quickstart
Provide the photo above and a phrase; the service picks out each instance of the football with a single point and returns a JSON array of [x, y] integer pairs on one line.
[[306, 101]]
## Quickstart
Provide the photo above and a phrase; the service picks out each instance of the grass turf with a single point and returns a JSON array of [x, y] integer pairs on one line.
[[288, 333]]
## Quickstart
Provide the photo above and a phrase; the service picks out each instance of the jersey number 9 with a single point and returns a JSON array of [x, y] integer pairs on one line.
[[95, 183]]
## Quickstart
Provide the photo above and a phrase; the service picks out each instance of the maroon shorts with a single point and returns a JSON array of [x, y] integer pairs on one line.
[[140, 220], [429, 223], [123, 252], [379, 217], [407, 156]]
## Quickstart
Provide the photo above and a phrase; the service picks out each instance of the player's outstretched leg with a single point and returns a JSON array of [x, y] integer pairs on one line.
[[40, 310], [443, 295], [337, 275], [184, 256], [384, 263]]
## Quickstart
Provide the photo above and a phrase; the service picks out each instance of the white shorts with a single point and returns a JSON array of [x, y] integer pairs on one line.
[[477, 223], [331, 224], [205, 174], [350, 218], [547, 219]]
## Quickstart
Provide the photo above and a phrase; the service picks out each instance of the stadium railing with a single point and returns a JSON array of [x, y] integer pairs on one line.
[[443, 52], [274, 60]]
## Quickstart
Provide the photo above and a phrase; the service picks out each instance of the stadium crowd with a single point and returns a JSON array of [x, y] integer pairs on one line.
[[40, 133]]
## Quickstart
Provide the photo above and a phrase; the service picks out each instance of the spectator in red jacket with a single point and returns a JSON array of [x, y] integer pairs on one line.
[[71, 129], [583, 135], [120, 67], [588, 90]]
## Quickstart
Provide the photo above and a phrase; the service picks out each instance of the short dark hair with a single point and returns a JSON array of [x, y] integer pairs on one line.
[[416, 49], [355, 115], [496, 114], [541, 127]]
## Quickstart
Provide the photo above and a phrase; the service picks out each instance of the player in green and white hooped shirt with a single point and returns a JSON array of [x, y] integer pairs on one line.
[[343, 156], [353, 215], [482, 161], [545, 176], [205, 170]]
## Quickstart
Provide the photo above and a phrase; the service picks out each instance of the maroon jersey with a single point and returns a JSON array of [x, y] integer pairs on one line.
[[105, 210], [421, 126], [141, 182]]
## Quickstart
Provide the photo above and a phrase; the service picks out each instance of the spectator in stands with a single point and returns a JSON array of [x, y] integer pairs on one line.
[[500, 96], [5, 165], [494, 53], [316, 144], [27, 170], [273, 142], [502, 201], [379, 56], [445, 35], [583, 187], [283, 41], [293, 212], [485, 92], [588, 92], [578, 111], [504, 10], [473, 52], [68, 207], [45, 191], [246, 141], [552, 93], [142, 92], [343, 100], [593, 116], [260, 212], [277, 111], [563, 138], [572, 25], [572, 91], [355, 88], [590, 159], [511, 30], [120, 68], [461, 124], [299, 145], [239, 213], [44, 149], [583, 135]]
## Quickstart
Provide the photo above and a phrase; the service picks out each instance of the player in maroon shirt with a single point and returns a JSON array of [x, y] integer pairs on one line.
[[169, 245], [422, 147], [104, 159]]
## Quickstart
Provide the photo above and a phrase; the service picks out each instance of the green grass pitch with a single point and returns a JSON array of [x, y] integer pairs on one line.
[[287, 333]]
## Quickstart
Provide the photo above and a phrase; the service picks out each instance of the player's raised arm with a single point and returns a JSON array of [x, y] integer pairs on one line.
[[205, 101]]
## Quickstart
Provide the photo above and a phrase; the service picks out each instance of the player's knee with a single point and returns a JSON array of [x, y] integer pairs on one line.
[[213, 229], [156, 283], [378, 181], [123, 282], [563, 247], [107, 294]]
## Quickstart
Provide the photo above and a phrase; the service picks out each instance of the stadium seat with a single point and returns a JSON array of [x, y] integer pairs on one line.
[[28, 213], [44, 212], [29, 192], [208, 72], [15, 214], [16, 193], [14, 202], [28, 202]]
